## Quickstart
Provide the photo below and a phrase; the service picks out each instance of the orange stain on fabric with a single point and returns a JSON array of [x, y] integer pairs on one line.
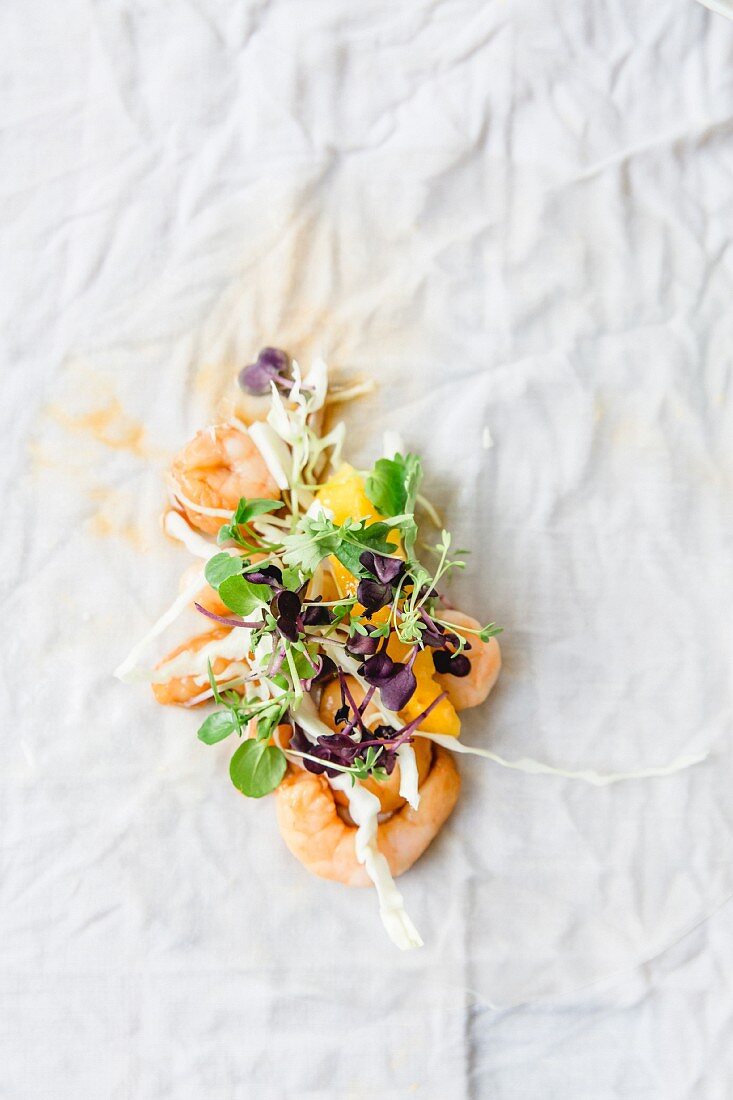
[[111, 521], [109, 425]]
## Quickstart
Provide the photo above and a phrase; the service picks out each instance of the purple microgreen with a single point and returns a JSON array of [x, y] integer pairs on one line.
[[271, 365], [373, 595], [275, 663], [339, 751], [288, 628], [227, 621], [363, 645], [378, 669], [287, 604], [453, 664], [399, 689], [367, 699], [341, 715], [396, 682], [327, 670], [387, 570], [299, 743], [316, 615], [268, 574], [347, 697], [433, 634]]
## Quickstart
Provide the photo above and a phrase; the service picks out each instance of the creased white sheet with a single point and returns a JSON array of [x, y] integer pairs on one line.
[[516, 218]]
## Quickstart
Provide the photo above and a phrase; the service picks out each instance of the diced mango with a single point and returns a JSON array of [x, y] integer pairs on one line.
[[443, 718], [345, 496]]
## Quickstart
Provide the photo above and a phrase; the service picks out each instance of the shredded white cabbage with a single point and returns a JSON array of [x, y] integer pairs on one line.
[[486, 441], [317, 381], [289, 425], [364, 810], [341, 392], [316, 510], [275, 454], [307, 718], [175, 525], [216, 513], [128, 671], [536, 767], [232, 647], [408, 775], [334, 439]]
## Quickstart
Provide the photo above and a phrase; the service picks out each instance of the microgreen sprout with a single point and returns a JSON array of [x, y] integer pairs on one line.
[[289, 631]]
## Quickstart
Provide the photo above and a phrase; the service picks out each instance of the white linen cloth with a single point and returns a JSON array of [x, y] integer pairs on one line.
[[512, 215]]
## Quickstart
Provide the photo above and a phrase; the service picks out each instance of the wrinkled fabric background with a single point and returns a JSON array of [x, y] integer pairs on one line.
[[512, 215]]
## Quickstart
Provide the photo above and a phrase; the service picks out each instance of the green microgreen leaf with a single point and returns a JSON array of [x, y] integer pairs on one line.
[[293, 578], [242, 596], [385, 486], [382, 630], [366, 765], [212, 682], [393, 483], [249, 509], [318, 537], [245, 512], [221, 567], [356, 539], [217, 726], [304, 665], [256, 768]]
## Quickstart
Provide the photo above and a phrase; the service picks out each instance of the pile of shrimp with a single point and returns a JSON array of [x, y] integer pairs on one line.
[[317, 814]]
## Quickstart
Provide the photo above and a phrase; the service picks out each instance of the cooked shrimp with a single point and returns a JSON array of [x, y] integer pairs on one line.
[[388, 792], [217, 467], [310, 825], [485, 658], [207, 596], [180, 690]]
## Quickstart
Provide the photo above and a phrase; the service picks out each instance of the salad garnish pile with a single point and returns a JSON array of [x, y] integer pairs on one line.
[[318, 590]]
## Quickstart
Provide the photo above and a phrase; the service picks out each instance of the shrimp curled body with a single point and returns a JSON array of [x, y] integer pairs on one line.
[[313, 831], [181, 690], [217, 467]]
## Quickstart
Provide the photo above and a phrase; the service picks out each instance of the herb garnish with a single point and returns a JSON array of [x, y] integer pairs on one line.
[[291, 637]]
